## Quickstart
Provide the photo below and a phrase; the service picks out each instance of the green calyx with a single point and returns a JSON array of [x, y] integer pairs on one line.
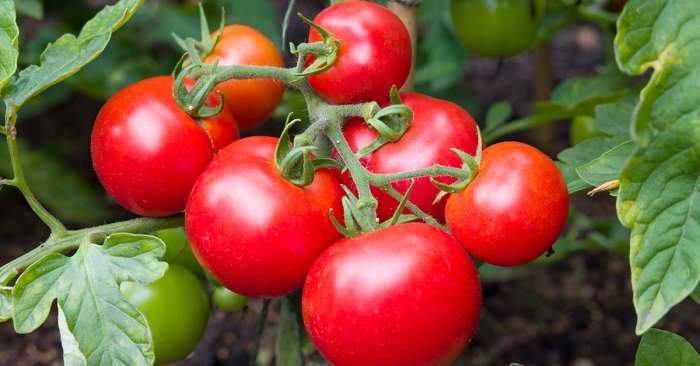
[[325, 52], [294, 162], [390, 122], [199, 49], [193, 101]]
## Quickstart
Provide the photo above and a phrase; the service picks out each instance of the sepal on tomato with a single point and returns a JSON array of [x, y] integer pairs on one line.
[[390, 122], [470, 165], [325, 56], [193, 101], [197, 50]]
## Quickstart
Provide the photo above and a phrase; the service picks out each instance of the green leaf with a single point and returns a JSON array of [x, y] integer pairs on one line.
[[5, 304], [441, 55], [69, 53], [696, 295], [608, 166], [288, 351], [9, 37], [107, 328], [659, 196], [61, 190], [662, 348], [30, 8], [659, 200], [613, 119], [498, 114], [661, 34], [581, 95], [71, 349]]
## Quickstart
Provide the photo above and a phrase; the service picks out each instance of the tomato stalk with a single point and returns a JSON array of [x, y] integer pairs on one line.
[[19, 181], [71, 239]]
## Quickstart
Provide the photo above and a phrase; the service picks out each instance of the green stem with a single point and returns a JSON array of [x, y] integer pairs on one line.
[[259, 331], [20, 182], [224, 73], [433, 171], [71, 239], [411, 206], [366, 203]]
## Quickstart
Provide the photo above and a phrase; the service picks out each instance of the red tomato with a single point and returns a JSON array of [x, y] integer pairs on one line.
[[375, 53], [405, 295], [514, 210], [148, 153], [253, 231], [437, 126], [252, 101]]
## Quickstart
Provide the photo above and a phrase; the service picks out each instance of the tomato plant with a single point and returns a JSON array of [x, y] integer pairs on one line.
[[178, 249], [148, 153], [497, 28], [375, 53], [251, 101], [228, 300], [584, 128], [253, 231], [437, 126], [177, 309], [405, 295], [514, 209]]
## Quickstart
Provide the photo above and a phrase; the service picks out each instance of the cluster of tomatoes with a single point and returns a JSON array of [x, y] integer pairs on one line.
[[408, 294]]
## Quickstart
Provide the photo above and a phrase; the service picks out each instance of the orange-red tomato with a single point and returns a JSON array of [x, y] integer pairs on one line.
[[251, 100]]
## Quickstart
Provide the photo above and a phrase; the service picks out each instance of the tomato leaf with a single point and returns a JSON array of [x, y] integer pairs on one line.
[[662, 348], [5, 303], [107, 328], [659, 196], [696, 295], [498, 114], [69, 53], [288, 351], [608, 166], [613, 119], [582, 94], [71, 350], [30, 8], [9, 37]]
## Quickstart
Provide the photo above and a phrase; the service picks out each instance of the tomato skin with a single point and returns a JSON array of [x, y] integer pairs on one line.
[[252, 101], [406, 295], [515, 208], [176, 308], [375, 53], [437, 126], [228, 300], [147, 152], [253, 231], [177, 249], [495, 28]]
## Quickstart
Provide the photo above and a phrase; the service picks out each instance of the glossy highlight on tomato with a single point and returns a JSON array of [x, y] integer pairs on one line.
[[375, 53], [251, 101], [515, 208], [437, 126], [253, 231], [176, 307], [147, 152], [407, 295]]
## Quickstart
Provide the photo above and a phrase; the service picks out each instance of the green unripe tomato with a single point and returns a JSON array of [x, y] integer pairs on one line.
[[583, 128], [176, 308], [228, 300], [497, 28], [178, 249]]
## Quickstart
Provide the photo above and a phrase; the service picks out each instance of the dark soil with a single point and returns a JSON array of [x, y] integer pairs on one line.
[[577, 312]]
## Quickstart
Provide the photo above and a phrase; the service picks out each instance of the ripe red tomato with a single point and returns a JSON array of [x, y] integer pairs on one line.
[[437, 126], [176, 308], [148, 153], [405, 295], [253, 231], [514, 210], [252, 101], [375, 53]]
